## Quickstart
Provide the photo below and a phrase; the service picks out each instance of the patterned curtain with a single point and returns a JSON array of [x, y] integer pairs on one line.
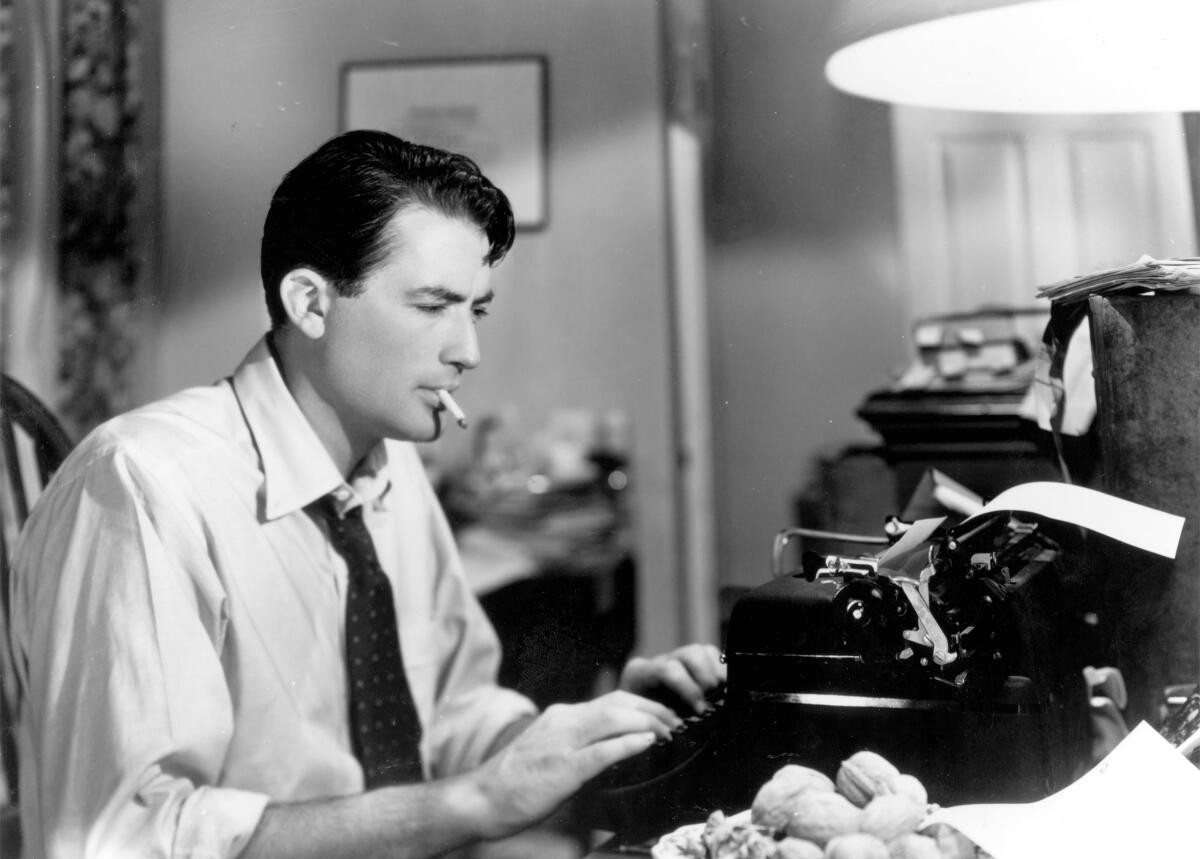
[[76, 221], [103, 234]]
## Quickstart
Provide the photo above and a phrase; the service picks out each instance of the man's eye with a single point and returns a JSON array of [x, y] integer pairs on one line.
[[480, 312], [431, 309]]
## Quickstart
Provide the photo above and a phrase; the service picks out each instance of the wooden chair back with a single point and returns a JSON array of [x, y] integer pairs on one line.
[[33, 443]]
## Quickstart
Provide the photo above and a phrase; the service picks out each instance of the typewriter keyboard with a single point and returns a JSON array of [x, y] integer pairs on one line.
[[666, 757]]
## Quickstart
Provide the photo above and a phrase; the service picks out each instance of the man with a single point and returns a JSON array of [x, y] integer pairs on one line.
[[187, 603]]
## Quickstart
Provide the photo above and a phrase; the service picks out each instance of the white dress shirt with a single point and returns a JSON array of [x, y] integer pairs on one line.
[[178, 625]]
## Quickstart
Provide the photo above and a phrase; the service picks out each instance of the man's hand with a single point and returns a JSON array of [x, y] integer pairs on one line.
[[560, 750], [685, 673]]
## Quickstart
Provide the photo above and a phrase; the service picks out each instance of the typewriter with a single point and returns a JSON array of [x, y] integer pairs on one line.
[[951, 652]]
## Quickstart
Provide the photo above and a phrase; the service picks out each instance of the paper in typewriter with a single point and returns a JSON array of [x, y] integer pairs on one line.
[[1135, 524], [1141, 800]]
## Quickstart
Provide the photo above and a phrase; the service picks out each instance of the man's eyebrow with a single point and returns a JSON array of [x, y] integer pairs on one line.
[[442, 293]]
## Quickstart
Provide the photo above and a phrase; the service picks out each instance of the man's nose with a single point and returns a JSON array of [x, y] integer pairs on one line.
[[463, 349]]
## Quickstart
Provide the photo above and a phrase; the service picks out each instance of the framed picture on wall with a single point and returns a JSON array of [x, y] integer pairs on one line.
[[491, 109]]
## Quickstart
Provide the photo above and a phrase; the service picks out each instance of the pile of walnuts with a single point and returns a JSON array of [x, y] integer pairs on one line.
[[869, 810]]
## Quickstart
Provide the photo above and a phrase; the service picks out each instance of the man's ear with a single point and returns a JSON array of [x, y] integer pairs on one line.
[[306, 297]]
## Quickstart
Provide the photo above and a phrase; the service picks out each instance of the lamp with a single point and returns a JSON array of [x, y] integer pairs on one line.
[[1047, 56]]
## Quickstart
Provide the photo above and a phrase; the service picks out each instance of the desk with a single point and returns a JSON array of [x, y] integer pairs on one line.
[[611, 848], [613, 854]]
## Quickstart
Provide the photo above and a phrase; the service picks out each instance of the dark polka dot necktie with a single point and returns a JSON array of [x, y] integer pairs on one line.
[[384, 726]]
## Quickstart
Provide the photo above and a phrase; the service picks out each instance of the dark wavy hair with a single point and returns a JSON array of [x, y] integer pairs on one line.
[[331, 211]]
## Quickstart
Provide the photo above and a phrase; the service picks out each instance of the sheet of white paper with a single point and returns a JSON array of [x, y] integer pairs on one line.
[[914, 538], [1141, 800], [1135, 524]]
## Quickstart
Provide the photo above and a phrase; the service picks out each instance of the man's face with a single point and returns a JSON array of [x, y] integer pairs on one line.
[[409, 332]]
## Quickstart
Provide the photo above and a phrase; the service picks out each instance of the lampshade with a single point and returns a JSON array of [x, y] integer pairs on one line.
[[1047, 56]]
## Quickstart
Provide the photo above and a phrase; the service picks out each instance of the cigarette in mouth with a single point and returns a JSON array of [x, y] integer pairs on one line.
[[452, 407]]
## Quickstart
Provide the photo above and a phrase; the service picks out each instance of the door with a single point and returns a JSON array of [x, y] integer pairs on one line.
[[993, 205]]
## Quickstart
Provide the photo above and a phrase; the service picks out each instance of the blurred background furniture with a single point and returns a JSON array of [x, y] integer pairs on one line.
[[958, 406]]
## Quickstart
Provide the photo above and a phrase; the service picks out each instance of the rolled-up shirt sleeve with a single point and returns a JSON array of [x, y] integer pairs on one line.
[[125, 714]]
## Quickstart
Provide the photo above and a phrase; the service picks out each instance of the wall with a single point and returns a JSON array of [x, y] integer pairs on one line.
[[251, 86], [807, 311]]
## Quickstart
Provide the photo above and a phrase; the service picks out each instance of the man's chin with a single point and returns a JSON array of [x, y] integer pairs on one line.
[[429, 432]]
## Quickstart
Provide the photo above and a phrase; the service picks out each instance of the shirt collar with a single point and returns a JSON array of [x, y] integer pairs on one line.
[[296, 467]]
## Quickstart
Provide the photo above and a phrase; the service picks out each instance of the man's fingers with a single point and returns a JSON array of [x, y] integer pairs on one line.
[[690, 672], [599, 756], [677, 677], [661, 712], [683, 676], [616, 722], [611, 715], [703, 662]]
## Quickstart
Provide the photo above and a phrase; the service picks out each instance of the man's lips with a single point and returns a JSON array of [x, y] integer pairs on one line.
[[430, 392]]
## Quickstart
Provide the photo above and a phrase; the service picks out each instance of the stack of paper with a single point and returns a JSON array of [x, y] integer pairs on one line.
[[1139, 801], [1145, 275]]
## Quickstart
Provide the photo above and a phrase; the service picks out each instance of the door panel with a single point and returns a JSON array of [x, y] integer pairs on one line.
[[994, 205]]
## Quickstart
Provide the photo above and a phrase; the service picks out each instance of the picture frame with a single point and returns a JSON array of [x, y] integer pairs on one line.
[[492, 109]]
